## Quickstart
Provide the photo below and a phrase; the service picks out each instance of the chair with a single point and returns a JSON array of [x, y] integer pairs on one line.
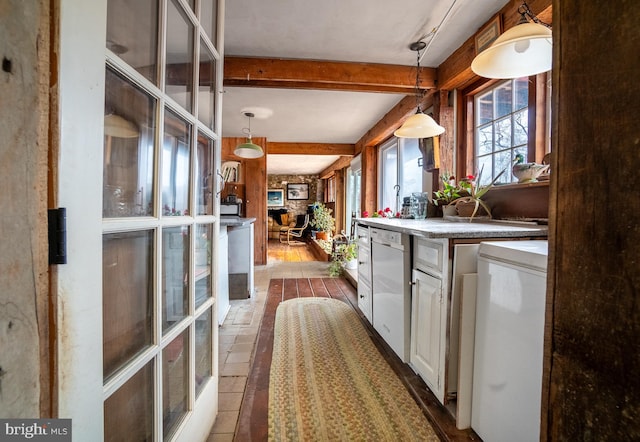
[[287, 232]]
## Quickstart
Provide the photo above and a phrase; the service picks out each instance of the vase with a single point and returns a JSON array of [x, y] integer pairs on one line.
[[351, 264], [449, 210], [322, 235], [465, 209]]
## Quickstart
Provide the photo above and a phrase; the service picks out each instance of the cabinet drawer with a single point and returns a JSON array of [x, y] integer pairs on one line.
[[429, 255], [362, 234], [364, 264]]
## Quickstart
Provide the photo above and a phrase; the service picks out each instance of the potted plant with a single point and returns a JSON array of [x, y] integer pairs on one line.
[[322, 220], [450, 192], [345, 256], [472, 205]]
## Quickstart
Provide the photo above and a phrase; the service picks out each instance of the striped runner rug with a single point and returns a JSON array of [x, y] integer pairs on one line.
[[328, 381]]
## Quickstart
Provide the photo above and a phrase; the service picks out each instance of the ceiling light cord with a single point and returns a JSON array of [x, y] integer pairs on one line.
[[528, 16]]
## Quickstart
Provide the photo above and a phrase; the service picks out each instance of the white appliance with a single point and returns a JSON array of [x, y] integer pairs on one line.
[[391, 289], [507, 370]]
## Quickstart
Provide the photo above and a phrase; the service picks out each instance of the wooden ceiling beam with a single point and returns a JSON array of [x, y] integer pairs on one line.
[[310, 148], [339, 164], [328, 75], [392, 120]]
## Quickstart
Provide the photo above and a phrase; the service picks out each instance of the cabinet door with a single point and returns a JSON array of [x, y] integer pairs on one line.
[[364, 298], [427, 331]]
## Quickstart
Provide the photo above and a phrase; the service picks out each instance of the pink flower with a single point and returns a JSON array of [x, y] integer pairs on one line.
[[365, 214]]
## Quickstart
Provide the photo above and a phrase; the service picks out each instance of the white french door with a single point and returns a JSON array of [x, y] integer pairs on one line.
[[140, 146]]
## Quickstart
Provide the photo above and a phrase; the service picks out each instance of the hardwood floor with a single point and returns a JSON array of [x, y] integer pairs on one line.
[[253, 417], [296, 252]]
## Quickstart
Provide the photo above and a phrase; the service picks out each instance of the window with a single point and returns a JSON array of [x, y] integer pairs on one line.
[[398, 167], [501, 128], [354, 186]]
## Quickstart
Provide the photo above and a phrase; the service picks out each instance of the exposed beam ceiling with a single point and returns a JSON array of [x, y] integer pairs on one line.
[[330, 75], [310, 148]]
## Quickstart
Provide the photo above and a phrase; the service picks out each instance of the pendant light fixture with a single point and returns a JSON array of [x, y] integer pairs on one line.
[[523, 50], [419, 125], [248, 149]]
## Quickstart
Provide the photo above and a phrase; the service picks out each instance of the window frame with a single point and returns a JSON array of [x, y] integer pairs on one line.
[[399, 145], [538, 144]]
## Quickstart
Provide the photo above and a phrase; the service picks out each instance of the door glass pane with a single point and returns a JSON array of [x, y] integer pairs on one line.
[[204, 175], [206, 88], [179, 57], [203, 263], [209, 11], [128, 413], [132, 34], [175, 166], [127, 301], [175, 275], [204, 362], [128, 149], [175, 382]]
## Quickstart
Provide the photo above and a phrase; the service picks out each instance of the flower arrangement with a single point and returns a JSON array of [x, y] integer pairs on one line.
[[386, 213], [450, 191], [475, 192]]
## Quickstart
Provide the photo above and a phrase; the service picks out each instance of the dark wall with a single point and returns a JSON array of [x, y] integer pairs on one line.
[[593, 319]]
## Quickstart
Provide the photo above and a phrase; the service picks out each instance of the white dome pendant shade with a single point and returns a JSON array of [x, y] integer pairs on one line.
[[525, 49], [419, 125]]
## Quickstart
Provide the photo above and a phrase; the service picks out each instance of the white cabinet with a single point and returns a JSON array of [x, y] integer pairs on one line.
[[427, 314], [364, 271], [429, 309]]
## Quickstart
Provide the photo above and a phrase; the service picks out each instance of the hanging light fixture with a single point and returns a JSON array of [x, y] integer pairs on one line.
[[523, 50], [419, 125], [248, 149], [119, 127]]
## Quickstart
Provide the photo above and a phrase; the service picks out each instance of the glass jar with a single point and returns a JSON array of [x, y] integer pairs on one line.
[[419, 203]]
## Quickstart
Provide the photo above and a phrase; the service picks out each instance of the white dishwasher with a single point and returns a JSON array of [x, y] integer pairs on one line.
[[391, 289]]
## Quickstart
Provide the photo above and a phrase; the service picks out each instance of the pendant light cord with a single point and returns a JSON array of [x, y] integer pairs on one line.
[[527, 15]]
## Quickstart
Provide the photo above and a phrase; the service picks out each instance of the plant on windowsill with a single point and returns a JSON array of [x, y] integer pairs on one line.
[[451, 191], [322, 220], [472, 205]]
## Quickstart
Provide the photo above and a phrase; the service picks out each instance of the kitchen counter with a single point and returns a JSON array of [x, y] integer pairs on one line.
[[235, 221], [441, 228]]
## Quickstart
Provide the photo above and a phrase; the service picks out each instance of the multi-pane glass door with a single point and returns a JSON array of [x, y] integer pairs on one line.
[[161, 148]]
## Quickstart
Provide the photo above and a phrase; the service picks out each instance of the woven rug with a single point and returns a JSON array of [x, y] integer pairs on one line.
[[329, 382]]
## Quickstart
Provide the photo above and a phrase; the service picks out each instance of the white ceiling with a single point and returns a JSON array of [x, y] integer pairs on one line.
[[369, 31]]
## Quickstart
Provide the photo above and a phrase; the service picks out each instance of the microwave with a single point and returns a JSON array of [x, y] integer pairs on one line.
[[230, 209]]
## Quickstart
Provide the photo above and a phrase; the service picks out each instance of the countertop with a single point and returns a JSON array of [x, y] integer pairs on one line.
[[235, 221], [440, 228]]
